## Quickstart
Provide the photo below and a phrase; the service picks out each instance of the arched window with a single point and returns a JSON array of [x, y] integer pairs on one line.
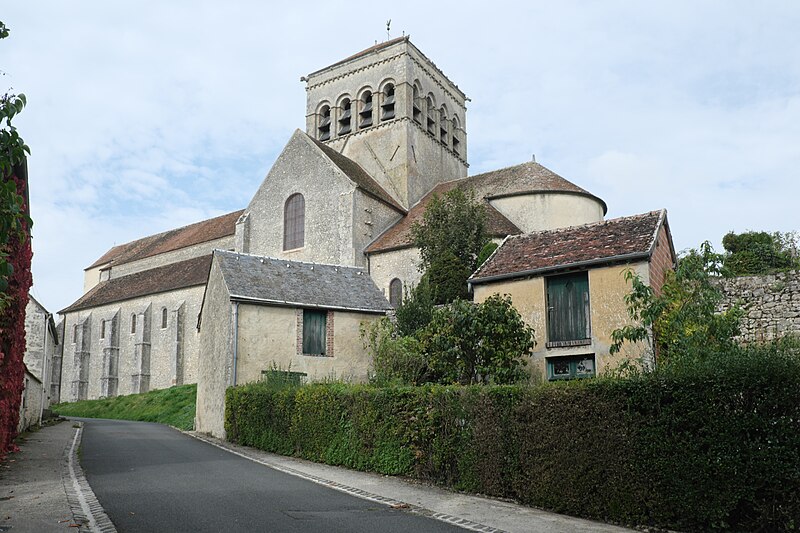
[[133, 322], [431, 115], [415, 105], [74, 333], [294, 222], [345, 118], [324, 128], [102, 329], [163, 318], [456, 133], [443, 126], [395, 292], [387, 106], [365, 115]]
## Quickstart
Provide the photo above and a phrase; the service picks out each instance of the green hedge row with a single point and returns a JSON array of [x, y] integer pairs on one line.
[[707, 446]]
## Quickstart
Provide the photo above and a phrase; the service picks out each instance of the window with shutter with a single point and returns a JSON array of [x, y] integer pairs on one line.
[[568, 310], [324, 128], [345, 118], [294, 222], [365, 115], [387, 106], [314, 332]]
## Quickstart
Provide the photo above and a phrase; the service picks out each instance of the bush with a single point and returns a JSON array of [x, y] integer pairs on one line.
[[707, 443]]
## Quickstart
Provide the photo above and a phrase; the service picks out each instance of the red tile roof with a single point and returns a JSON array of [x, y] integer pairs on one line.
[[168, 241], [619, 239], [170, 277], [527, 178]]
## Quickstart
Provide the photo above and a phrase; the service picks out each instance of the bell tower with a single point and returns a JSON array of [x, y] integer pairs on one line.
[[390, 109]]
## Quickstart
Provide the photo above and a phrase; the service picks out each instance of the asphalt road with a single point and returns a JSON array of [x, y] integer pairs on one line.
[[149, 477]]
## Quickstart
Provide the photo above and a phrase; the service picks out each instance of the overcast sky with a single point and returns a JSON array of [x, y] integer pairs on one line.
[[145, 116]]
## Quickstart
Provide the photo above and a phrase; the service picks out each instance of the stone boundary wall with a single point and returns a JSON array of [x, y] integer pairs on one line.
[[771, 304]]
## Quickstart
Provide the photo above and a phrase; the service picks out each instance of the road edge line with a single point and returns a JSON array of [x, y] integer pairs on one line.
[[353, 491]]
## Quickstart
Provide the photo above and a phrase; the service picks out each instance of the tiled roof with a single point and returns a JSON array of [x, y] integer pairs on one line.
[[281, 282], [170, 277], [526, 178], [168, 241], [358, 175], [374, 48], [625, 238]]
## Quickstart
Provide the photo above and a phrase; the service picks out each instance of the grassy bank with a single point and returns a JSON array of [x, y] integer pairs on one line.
[[173, 406]]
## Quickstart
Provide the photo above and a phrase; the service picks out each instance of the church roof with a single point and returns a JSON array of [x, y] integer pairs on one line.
[[527, 178], [166, 278], [169, 241], [268, 280], [358, 175], [616, 240]]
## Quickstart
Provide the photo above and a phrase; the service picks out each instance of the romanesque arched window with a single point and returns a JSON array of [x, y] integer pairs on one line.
[[430, 113], [387, 106], [345, 117], [416, 105], [163, 318], [365, 113], [395, 292], [324, 127], [443, 126], [294, 222], [456, 133]]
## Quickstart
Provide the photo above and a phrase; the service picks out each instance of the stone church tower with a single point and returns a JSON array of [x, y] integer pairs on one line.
[[391, 110]]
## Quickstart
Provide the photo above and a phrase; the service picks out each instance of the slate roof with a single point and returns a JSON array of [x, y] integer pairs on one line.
[[526, 178], [297, 284], [170, 277], [358, 175], [168, 241], [619, 239]]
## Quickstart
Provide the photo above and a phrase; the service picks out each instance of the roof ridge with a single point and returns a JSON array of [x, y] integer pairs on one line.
[[590, 224], [256, 256]]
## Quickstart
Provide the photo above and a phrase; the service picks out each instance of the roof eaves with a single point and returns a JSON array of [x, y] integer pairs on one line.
[[578, 264], [283, 303]]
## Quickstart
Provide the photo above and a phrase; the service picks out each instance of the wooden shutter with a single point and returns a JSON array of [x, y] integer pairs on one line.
[[294, 222], [314, 332], [568, 307]]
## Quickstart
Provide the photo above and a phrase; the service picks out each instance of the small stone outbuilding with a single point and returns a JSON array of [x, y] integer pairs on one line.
[[261, 313], [569, 285]]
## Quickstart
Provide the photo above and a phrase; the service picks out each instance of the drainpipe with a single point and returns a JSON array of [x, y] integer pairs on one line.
[[235, 338]]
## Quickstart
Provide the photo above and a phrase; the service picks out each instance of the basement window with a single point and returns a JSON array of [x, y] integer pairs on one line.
[[575, 367]]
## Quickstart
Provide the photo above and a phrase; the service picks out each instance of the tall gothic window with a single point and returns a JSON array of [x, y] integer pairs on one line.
[[163, 318], [395, 292], [387, 106], [324, 128], [294, 222], [102, 329]]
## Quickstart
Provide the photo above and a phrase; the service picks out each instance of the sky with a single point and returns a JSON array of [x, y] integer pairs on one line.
[[146, 116]]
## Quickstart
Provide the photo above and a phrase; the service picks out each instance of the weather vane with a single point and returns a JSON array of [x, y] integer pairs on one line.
[[388, 26]]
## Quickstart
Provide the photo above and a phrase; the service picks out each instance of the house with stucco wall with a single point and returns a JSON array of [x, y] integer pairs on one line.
[[569, 285]]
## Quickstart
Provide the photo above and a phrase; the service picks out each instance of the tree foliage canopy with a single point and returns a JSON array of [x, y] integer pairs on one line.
[[758, 252], [683, 320], [450, 238]]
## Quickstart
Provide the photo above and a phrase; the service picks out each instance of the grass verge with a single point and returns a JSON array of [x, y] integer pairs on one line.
[[173, 406]]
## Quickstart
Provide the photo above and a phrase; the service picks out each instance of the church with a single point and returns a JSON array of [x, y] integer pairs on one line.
[[324, 244]]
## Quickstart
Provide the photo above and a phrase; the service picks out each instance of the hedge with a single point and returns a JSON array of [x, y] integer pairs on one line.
[[711, 445]]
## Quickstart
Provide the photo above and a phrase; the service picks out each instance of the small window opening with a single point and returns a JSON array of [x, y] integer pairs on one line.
[[365, 115], [324, 128], [416, 110], [443, 126], [133, 322], [431, 116], [395, 292], [163, 318], [387, 107], [102, 329], [74, 333], [456, 142], [346, 118]]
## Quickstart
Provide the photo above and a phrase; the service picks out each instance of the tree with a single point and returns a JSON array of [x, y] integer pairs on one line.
[[416, 309], [683, 320], [477, 343], [450, 238], [759, 252]]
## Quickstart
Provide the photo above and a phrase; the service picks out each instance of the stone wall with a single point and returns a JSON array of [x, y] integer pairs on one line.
[[771, 304]]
